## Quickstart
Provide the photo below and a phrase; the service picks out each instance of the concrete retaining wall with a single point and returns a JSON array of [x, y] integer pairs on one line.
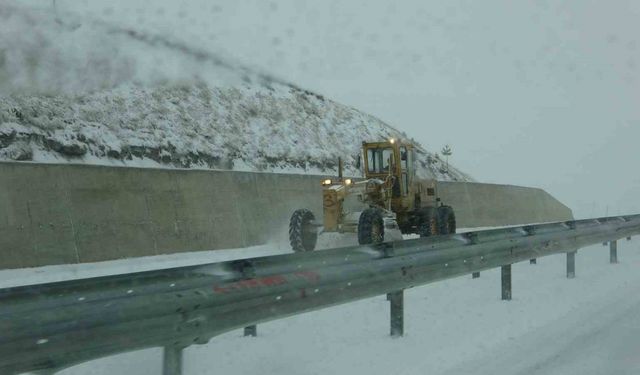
[[55, 214], [487, 205]]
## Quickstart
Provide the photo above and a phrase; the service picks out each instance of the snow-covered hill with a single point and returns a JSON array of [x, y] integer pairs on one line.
[[96, 93]]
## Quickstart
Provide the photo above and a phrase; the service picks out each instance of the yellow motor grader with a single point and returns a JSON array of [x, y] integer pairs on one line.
[[390, 199]]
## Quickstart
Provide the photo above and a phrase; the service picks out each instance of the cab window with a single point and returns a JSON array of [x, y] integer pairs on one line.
[[405, 184], [378, 159], [404, 158]]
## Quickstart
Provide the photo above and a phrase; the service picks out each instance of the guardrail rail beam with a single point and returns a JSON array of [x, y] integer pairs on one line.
[[85, 319]]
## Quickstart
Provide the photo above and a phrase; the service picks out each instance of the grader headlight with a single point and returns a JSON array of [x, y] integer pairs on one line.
[[327, 182], [348, 181]]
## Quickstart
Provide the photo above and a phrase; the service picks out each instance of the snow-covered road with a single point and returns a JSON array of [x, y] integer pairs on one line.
[[599, 338], [587, 325]]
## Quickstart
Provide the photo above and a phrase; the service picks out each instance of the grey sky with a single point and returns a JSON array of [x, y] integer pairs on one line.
[[537, 93]]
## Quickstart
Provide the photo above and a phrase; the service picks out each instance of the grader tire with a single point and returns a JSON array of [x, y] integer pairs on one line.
[[302, 234], [371, 227], [447, 220], [428, 222]]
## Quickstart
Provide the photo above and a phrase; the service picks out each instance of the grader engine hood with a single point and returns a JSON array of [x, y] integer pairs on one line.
[[332, 207], [342, 198]]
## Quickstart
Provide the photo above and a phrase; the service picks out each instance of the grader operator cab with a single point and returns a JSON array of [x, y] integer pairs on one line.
[[389, 199]]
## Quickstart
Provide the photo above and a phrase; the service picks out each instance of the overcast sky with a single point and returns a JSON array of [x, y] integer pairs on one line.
[[538, 93]]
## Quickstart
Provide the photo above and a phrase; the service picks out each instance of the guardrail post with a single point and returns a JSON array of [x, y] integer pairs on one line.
[[396, 300], [571, 265], [613, 252], [506, 282], [251, 331], [533, 261], [172, 360], [473, 239]]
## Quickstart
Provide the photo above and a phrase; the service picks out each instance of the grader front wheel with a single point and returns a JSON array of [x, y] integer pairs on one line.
[[371, 227], [303, 234]]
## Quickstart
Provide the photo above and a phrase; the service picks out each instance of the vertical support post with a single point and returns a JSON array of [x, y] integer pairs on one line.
[[251, 331], [533, 261], [506, 282], [475, 275], [613, 252], [571, 265], [172, 360], [396, 300]]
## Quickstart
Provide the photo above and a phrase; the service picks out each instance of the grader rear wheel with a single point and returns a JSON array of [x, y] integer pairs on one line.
[[446, 220], [303, 234], [428, 222]]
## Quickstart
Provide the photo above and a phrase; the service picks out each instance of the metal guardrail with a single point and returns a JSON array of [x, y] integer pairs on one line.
[[52, 326]]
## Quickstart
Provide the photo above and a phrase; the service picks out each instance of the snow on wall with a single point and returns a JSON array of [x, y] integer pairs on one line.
[[93, 93]]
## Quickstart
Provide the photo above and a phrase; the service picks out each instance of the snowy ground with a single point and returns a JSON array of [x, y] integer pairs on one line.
[[588, 325]]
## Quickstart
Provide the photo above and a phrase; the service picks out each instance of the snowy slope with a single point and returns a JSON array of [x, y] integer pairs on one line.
[[95, 93]]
